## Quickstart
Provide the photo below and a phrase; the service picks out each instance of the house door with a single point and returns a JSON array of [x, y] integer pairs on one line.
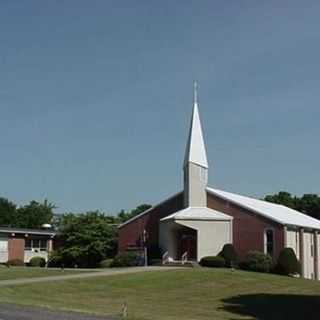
[[189, 244]]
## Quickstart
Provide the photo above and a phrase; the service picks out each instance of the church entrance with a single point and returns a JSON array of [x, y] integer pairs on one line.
[[188, 243]]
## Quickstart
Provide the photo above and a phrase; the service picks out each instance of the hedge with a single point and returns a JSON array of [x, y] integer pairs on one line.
[[213, 262], [37, 262], [229, 254], [257, 261], [287, 263]]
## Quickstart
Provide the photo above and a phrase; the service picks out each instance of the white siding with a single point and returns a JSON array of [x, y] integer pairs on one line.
[[293, 241], [211, 236], [318, 239], [3, 249], [28, 255], [308, 255]]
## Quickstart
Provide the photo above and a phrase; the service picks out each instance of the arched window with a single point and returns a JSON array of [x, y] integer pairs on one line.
[[269, 241]]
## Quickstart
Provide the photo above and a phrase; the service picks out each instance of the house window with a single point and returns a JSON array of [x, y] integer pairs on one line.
[[269, 242], [36, 245]]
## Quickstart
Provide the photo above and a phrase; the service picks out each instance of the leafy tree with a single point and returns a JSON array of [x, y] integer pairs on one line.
[[284, 198], [308, 203], [7, 212], [87, 238], [34, 214], [124, 216]]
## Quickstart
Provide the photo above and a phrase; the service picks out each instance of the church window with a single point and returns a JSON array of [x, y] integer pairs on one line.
[[269, 241]]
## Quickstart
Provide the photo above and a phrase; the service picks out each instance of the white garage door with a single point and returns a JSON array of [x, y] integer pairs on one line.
[[3, 250]]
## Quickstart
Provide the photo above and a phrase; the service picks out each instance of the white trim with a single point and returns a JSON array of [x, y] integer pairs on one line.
[[147, 211]]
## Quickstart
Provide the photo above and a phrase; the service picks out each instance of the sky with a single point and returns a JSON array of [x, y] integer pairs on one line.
[[96, 98]]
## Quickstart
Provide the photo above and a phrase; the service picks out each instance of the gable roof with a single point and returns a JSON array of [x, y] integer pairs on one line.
[[28, 231], [272, 211], [198, 213], [195, 149], [148, 210]]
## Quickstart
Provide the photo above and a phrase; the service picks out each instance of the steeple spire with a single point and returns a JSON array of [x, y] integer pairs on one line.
[[195, 92], [195, 150]]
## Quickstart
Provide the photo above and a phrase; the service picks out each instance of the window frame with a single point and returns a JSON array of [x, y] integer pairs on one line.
[[266, 241], [38, 248]]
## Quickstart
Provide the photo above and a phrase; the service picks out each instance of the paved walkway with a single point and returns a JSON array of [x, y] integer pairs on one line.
[[12, 312], [106, 272]]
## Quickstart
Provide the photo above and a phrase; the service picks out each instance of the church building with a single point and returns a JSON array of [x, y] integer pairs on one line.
[[197, 221]]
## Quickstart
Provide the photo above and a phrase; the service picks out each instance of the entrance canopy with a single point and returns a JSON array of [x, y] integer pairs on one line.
[[198, 213], [197, 231]]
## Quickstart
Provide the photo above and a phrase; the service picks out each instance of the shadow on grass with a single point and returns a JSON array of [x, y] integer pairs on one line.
[[274, 306]]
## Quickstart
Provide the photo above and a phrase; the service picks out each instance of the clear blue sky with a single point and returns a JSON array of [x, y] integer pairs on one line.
[[95, 98]]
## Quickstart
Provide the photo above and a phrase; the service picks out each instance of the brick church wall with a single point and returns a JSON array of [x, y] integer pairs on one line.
[[131, 233], [248, 227]]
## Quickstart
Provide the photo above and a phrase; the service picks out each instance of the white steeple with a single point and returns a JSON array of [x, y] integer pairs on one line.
[[195, 162], [196, 150]]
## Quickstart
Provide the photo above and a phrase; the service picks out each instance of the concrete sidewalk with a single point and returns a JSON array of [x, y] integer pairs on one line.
[[105, 272]]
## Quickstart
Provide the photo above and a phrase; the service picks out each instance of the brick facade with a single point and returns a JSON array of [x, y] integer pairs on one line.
[[131, 233], [16, 248], [248, 227]]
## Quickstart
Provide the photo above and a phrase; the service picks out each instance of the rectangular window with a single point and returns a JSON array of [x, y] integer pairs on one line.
[[269, 242], [35, 245], [43, 245], [27, 244]]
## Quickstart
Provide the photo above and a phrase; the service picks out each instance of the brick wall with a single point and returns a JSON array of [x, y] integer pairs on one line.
[[131, 233], [16, 248], [248, 227]]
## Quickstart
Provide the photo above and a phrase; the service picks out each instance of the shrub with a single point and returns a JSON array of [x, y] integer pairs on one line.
[[106, 263], [55, 260], [213, 262], [287, 263], [229, 254], [37, 262], [125, 259], [15, 262], [257, 261]]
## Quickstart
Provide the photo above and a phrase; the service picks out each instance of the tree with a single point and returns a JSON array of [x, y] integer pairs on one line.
[[34, 214], [308, 203], [7, 212], [284, 198], [124, 216], [87, 238]]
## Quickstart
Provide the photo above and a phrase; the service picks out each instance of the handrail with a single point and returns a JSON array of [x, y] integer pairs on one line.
[[184, 258], [165, 257]]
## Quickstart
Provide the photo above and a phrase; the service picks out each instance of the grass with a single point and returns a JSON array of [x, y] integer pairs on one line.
[[28, 272], [200, 294]]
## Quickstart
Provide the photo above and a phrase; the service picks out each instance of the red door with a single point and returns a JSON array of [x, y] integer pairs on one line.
[[189, 244]]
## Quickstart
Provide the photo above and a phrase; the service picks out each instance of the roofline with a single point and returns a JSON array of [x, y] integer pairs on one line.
[[243, 206], [196, 219], [148, 210], [27, 231], [210, 190]]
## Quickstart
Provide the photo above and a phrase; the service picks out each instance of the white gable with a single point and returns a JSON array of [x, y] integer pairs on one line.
[[275, 212], [198, 213]]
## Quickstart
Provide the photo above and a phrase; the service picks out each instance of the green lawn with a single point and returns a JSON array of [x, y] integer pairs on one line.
[[28, 272], [200, 294]]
